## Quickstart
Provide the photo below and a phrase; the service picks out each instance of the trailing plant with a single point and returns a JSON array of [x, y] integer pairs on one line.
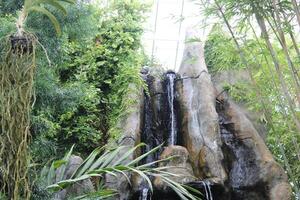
[[17, 67]]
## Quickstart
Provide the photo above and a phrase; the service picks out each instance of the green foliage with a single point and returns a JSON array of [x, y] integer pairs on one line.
[[39, 6], [265, 85], [111, 63], [81, 96], [10, 7], [7, 25], [83, 92], [220, 52]]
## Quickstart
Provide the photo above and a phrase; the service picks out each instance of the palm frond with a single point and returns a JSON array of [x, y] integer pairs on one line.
[[104, 161]]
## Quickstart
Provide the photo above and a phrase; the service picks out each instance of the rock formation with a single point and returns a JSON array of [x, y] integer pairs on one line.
[[218, 149]]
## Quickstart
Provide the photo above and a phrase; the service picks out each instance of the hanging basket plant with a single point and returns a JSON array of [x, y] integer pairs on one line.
[[17, 71]]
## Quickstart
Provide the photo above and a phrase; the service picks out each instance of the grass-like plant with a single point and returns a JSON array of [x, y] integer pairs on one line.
[[104, 161]]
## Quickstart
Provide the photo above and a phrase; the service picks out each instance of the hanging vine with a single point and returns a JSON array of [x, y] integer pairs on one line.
[[17, 69]]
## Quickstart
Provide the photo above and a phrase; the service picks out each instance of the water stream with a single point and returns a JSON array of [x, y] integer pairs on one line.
[[170, 78], [145, 194], [152, 133], [207, 188]]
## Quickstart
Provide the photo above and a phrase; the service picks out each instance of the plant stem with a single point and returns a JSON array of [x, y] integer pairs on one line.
[[20, 22]]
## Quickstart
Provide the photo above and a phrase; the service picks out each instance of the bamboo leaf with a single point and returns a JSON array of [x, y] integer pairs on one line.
[[69, 1]]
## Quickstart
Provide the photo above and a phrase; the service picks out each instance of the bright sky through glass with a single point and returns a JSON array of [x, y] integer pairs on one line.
[[169, 34]]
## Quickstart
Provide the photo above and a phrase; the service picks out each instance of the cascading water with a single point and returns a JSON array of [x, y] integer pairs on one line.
[[208, 194], [145, 194], [172, 128]]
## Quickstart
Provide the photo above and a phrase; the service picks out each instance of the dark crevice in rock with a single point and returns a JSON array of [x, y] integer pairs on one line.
[[149, 135]]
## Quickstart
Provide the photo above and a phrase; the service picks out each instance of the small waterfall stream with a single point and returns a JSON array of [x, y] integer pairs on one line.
[[170, 78], [154, 134], [208, 194], [145, 194]]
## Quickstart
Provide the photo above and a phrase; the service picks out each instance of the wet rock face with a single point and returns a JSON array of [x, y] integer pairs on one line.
[[232, 78], [252, 171], [240, 162]]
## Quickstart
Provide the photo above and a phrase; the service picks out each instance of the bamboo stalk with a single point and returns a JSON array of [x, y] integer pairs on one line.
[[273, 54], [294, 72]]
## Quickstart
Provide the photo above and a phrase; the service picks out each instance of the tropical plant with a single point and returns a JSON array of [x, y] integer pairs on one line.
[[105, 161], [39, 6], [17, 67]]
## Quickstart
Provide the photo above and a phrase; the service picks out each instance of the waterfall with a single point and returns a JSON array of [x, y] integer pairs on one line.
[[145, 194], [208, 193], [171, 118]]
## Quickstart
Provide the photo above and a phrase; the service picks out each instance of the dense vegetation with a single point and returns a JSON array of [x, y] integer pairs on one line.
[[81, 76], [261, 39], [88, 55]]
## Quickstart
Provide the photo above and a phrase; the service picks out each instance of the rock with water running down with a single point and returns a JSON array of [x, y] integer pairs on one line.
[[222, 155], [250, 165]]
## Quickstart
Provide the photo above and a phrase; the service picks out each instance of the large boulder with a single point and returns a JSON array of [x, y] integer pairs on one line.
[[199, 124], [179, 165]]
